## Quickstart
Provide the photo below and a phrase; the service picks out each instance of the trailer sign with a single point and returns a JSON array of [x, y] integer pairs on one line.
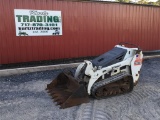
[[37, 22]]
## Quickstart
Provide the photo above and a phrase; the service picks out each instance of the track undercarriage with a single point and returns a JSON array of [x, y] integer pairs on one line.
[[115, 85]]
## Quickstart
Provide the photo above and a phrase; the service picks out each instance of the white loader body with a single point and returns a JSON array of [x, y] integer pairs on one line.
[[132, 63]]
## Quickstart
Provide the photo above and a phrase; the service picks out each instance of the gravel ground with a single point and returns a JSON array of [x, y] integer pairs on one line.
[[22, 97]]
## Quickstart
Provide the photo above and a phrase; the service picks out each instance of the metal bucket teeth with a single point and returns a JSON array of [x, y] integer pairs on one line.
[[54, 97], [66, 91]]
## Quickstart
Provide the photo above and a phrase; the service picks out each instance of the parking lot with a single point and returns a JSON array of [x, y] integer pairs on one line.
[[23, 97]]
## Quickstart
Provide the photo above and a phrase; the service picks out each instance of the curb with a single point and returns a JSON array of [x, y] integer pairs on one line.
[[16, 71], [149, 57]]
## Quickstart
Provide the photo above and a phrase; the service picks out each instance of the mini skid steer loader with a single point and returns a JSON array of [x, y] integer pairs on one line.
[[112, 73]]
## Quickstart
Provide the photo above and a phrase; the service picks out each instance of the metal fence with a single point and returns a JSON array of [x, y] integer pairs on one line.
[[89, 29]]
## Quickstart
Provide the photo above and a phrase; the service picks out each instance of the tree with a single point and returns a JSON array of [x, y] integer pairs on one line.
[[123, 1], [158, 2], [143, 2]]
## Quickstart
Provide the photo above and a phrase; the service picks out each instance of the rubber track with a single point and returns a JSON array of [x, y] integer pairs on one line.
[[104, 82]]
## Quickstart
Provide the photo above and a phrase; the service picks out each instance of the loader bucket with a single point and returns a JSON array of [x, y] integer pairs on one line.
[[66, 91]]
